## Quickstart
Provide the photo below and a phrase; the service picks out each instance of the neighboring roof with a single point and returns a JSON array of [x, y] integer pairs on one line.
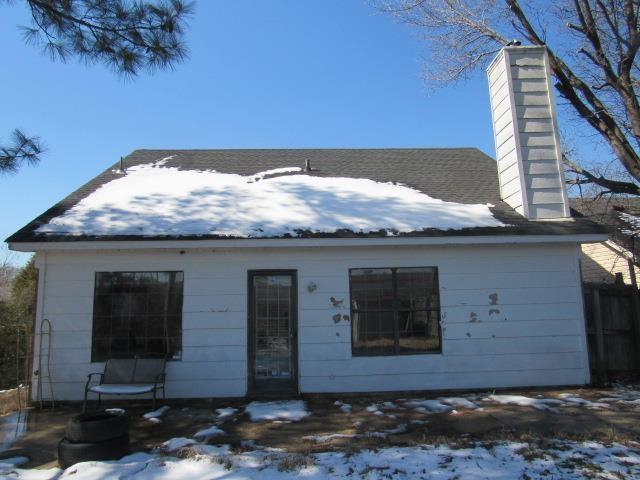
[[428, 177], [619, 215]]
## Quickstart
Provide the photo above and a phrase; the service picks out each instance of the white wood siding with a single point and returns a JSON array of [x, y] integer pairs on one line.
[[533, 335], [526, 136], [505, 133]]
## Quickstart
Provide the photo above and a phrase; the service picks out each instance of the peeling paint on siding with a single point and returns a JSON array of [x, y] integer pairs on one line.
[[493, 299], [335, 302]]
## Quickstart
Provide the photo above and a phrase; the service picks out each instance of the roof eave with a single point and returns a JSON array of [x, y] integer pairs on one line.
[[305, 242]]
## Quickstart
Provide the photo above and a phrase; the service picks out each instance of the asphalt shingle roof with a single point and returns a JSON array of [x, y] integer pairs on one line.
[[463, 175]]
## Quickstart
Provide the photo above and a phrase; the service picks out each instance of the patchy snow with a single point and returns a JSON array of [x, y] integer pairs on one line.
[[225, 412], [419, 422], [459, 402], [153, 200], [376, 408], [428, 406], [207, 433], [544, 404], [117, 411], [11, 390], [345, 407], [579, 401], [623, 395], [293, 410], [156, 414], [500, 460], [174, 444], [330, 436], [401, 428]]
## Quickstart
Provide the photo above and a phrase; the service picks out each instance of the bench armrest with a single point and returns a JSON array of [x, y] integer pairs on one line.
[[91, 375]]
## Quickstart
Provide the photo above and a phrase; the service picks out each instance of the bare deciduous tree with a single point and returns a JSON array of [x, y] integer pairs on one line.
[[7, 274], [592, 46]]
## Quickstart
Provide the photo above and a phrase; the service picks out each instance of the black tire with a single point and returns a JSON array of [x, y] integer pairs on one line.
[[97, 427], [71, 453]]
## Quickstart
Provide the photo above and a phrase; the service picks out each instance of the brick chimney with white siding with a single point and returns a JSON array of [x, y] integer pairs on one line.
[[526, 136]]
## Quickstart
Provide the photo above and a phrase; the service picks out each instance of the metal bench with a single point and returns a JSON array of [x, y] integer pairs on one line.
[[128, 376]]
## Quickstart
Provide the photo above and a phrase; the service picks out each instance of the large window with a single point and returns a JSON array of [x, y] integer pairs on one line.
[[137, 314], [395, 311]]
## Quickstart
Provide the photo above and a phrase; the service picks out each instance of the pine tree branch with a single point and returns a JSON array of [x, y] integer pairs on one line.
[[22, 149]]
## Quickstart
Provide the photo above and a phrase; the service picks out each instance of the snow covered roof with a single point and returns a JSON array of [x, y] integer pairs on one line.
[[272, 194]]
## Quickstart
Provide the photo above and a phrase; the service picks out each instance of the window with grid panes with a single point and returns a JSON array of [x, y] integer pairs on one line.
[[395, 311], [137, 314]]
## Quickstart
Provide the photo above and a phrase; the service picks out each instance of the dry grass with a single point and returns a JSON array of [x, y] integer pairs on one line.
[[294, 462], [12, 400]]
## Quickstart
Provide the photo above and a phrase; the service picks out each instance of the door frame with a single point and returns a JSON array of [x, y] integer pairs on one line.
[[251, 331]]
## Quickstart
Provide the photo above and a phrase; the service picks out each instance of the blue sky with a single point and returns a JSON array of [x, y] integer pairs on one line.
[[261, 74]]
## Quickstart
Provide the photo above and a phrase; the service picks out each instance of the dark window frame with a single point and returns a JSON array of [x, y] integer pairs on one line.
[[96, 357], [396, 309]]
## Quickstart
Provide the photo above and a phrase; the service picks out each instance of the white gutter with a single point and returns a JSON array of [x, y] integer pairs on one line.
[[303, 242]]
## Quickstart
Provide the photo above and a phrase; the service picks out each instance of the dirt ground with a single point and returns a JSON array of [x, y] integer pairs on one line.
[[361, 426]]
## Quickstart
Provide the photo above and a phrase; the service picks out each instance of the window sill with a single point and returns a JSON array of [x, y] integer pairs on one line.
[[407, 354]]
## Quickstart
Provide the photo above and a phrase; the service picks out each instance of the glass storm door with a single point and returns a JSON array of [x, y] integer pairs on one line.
[[272, 331]]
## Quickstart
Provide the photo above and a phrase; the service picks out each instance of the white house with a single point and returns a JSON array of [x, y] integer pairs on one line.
[[326, 270]]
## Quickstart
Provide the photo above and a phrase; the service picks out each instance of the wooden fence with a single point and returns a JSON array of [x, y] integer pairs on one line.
[[613, 330]]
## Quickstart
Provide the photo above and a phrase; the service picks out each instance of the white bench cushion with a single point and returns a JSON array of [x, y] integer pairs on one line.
[[121, 389]]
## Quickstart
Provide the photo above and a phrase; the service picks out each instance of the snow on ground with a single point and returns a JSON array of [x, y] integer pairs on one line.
[[345, 407], [623, 395], [401, 428], [176, 443], [544, 404], [153, 199], [577, 400], [329, 436], [459, 402], [500, 460], [118, 411], [207, 433], [428, 406], [377, 408], [225, 412], [293, 410], [155, 415]]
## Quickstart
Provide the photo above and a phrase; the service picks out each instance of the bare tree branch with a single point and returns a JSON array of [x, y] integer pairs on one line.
[[592, 54], [611, 186]]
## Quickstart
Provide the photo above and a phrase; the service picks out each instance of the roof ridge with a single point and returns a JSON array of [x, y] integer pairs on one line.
[[263, 149]]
